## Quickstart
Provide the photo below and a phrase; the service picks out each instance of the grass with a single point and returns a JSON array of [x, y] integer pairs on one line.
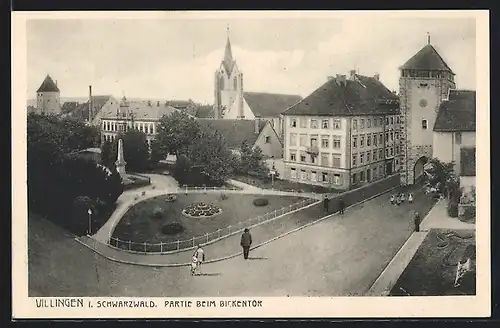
[[283, 185], [432, 270], [138, 225]]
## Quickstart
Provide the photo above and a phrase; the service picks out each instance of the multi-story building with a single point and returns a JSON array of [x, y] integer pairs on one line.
[[48, 100], [424, 83], [142, 116], [344, 134]]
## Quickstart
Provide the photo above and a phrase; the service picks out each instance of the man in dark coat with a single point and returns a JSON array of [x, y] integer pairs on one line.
[[246, 242], [326, 201], [341, 206], [416, 221]]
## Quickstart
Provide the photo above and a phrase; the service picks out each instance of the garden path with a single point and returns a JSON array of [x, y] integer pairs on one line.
[[438, 219]]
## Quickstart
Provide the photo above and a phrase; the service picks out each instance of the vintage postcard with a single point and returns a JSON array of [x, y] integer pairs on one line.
[[251, 164]]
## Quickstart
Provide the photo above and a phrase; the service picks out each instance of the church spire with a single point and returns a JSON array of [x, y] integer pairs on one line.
[[228, 61]]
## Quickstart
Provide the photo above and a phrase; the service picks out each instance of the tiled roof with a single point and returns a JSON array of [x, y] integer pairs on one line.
[[458, 113], [427, 59], [269, 104], [141, 110], [179, 104], [235, 131], [205, 111], [69, 106], [48, 85], [468, 162], [362, 95], [228, 61], [82, 110]]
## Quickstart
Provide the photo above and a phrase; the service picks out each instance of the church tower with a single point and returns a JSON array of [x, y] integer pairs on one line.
[[48, 97], [228, 90], [424, 83]]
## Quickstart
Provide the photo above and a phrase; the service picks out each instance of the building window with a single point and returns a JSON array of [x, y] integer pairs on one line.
[[396, 135], [324, 177], [302, 157], [268, 139], [293, 173], [398, 120], [293, 139], [335, 160], [314, 142], [336, 179], [336, 142], [387, 152], [386, 121], [396, 151], [324, 124], [381, 154], [336, 123], [374, 155], [380, 139], [386, 136], [375, 140], [355, 124], [314, 124], [313, 159], [374, 173], [392, 119], [325, 142], [424, 124], [362, 141], [381, 170], [374, 122], [362, 123], [369, 140], [361, 176], [354, 142], [235, 83], [369, 123], [303, 140], [293, 156], [361, 158], [392, 151], [458, 138], [368, 156], [392, 136], [313, 176], [303, 122], [303, 174], [354, 178], [293, 123], [381, 121], [354, 159], [324, 159]]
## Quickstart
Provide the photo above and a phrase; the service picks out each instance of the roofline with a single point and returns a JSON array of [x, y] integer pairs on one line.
[[346, 115], [453, 130], [421, 69], [272, 93]]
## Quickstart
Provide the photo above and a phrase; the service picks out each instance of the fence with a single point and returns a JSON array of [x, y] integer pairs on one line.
[[208, 238]]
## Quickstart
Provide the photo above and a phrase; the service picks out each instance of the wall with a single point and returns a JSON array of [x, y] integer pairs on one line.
[[274, 147], [48, 102], [233, 112], [467, 183], [446, 146]]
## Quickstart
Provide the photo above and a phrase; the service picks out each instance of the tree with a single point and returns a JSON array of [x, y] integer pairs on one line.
[[156, 154], [181, 170], [108, 154], [252, 161], [176, 133], [441, 176], [135, 149]]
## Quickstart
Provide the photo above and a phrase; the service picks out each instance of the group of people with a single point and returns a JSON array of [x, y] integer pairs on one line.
[[400, 198], [326, 205], [198, 257]]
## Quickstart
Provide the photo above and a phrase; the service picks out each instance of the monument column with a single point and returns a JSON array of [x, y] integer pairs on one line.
[[120, 161]]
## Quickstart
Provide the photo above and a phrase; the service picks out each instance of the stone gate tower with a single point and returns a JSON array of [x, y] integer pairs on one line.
[[424, 82], [48, 97]]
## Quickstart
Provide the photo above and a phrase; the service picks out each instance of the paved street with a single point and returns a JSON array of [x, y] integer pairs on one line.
[[339, 256]]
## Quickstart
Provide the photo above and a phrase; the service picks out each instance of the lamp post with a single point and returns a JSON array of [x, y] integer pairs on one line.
[[272, 172], [89, 212]]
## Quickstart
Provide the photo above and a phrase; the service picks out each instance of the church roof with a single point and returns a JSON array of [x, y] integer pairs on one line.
[[228, 60], [48, 85], [339, 96], [269, 104], [235, 131], [427, 59], [458, 113]]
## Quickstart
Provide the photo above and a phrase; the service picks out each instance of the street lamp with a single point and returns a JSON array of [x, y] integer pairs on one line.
[[90, 221], [272, 172]]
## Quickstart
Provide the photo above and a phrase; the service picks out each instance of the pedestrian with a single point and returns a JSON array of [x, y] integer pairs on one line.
[[402, 197], [326, 202], [393, 199], [398, 200], [194, 265], [246, 242], [410, 198], [200, 256], [341, 206], [416, 221]]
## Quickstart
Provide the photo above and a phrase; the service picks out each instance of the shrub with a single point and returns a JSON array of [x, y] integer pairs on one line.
[[157, 213], [261, 202], [172, 228], [171, 198], [453, 209], [470, 212]]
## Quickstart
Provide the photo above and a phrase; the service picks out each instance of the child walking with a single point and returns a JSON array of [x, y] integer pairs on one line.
[[194, 264]]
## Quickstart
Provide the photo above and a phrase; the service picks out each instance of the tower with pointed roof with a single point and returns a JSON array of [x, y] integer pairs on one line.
[[424, 83], [228, 85], [48, 97]]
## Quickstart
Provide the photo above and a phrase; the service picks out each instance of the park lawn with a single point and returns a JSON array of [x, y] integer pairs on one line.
[[432, 270], [283, 185], [138, 226]]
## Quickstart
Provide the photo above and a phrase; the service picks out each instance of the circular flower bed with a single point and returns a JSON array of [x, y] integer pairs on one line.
[[261, 202], [202, 210]]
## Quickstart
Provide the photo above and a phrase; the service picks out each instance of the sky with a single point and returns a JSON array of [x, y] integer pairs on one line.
[[170, 57]]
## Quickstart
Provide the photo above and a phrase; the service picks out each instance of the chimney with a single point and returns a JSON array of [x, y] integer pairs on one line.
[[376, 76], [256, 126], [90, 103], [341, 80], [158, 103], [352, 74]]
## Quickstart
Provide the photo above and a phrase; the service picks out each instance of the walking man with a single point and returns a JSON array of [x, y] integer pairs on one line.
[[200, 256], [416, 221], [246, 242], [326, 202], [341, 206]]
